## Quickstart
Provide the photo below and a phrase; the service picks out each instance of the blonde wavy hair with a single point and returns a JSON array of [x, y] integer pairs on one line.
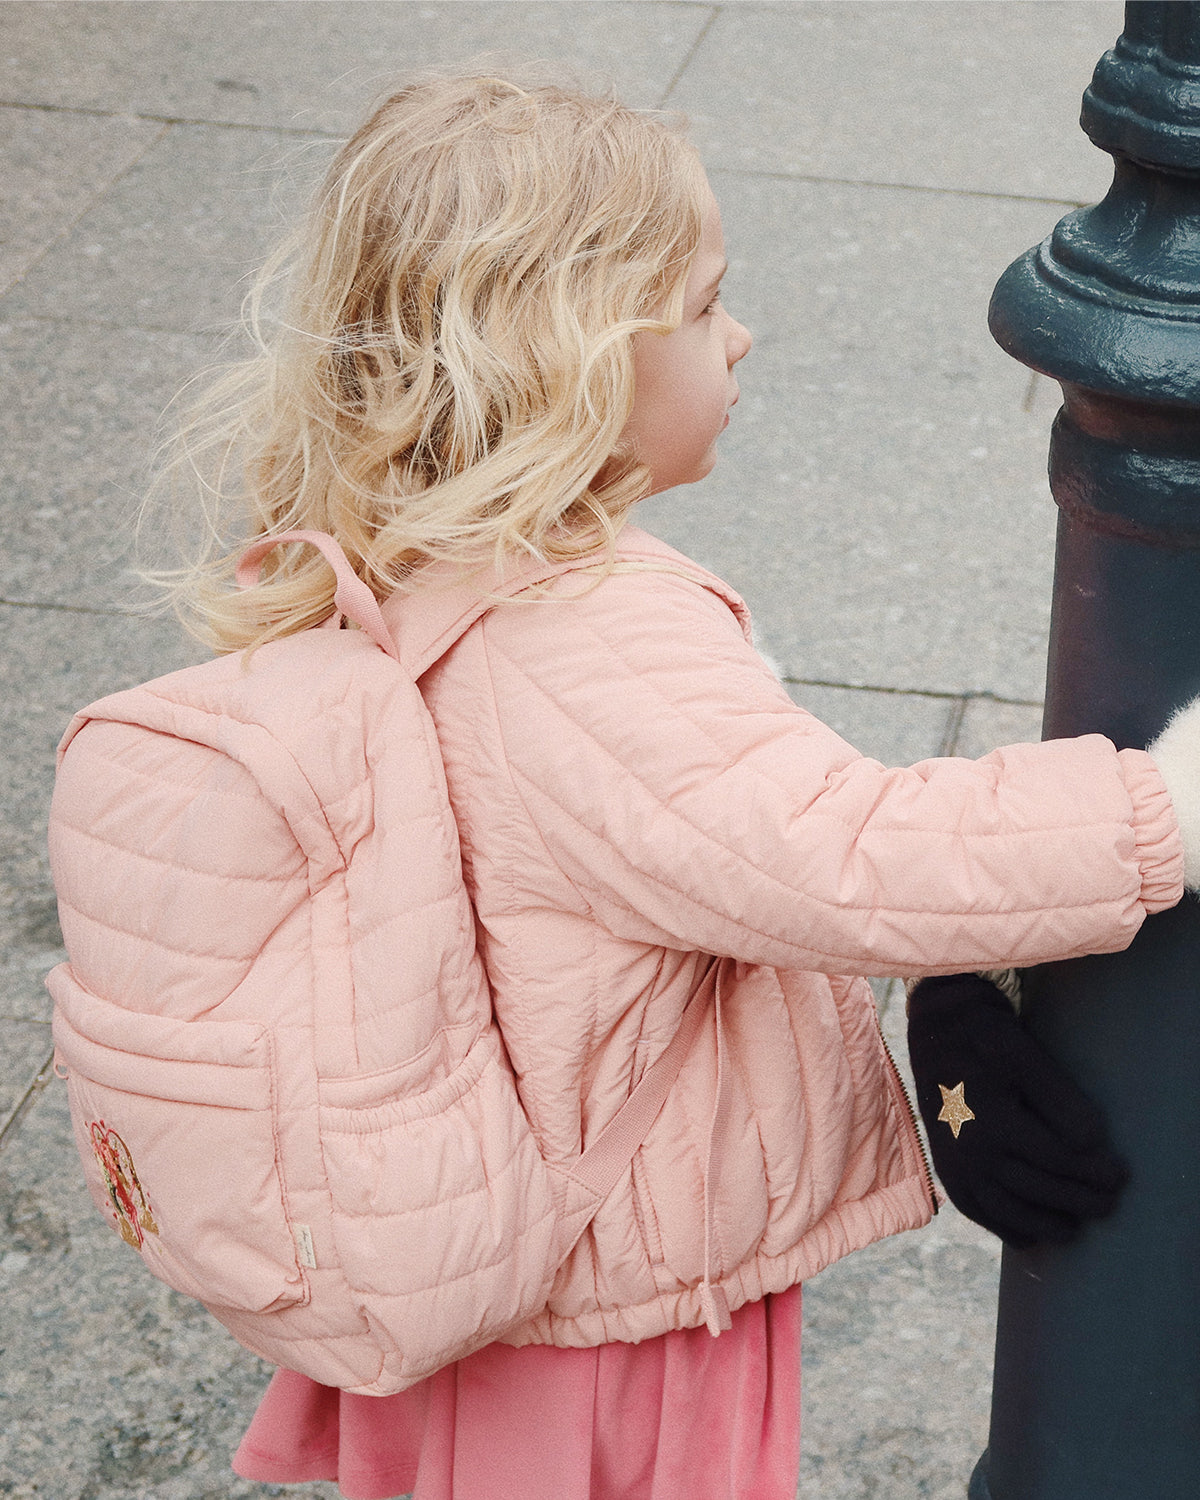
[[454, 364]]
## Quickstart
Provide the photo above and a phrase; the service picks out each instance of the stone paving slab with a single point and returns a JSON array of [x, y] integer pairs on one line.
[[168, 246], [881, 497], [977, 97], [894, 728], [55, 165], [952, 538], [78, 411], [986, 725], [27, 1046], [311, 65], [898, 1343]]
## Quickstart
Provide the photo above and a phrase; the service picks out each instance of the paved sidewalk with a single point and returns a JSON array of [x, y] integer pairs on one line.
[[880, 501]]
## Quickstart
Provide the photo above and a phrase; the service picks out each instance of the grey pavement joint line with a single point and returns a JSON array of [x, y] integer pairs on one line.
[[1031, 390], [169, 120], [983, 695], [954, 724], [779, 174], [69, 609], [701, 36], [75, 321], [8, 1128], [782, 175], [851, 687], [101, 192], [962, 699]]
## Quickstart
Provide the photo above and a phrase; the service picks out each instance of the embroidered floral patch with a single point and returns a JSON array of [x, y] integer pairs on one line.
[[125, 1191]]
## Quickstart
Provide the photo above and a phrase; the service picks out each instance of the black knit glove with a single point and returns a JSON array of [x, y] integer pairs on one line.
[[1019, 1148]]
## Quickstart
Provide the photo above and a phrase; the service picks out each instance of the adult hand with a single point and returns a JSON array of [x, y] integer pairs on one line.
[[1017, 1144]]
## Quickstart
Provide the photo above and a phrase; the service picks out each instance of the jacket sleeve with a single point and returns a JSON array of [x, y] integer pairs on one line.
[[692, 804]]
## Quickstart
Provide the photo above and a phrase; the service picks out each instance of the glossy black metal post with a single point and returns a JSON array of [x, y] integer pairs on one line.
[[1097, 1381]]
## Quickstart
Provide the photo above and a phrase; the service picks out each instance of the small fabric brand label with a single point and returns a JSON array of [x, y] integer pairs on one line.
[[304, 1246]]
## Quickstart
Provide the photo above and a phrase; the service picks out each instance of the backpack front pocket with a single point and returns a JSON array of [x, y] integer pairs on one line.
[[175, 1125]]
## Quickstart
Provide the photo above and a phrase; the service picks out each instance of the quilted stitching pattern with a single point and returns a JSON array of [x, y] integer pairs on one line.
[[632, 792], [273, 845], [633, 789]]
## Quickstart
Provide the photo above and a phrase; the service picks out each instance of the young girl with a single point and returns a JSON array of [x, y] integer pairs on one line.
[[505, 329]]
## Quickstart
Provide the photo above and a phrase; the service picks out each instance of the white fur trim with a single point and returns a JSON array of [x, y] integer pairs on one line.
[[756, 642], [1176, 753]]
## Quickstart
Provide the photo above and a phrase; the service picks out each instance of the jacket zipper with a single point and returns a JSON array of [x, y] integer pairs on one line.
[[912, 1119]]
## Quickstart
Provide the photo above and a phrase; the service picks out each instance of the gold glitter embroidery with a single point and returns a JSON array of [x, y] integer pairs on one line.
[[954, 1108], [125, 1191]]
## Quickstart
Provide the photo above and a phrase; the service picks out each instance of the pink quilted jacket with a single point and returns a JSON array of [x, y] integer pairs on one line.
[[635, 792]]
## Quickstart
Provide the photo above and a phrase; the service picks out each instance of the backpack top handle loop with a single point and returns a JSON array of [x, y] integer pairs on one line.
[[352, 598]]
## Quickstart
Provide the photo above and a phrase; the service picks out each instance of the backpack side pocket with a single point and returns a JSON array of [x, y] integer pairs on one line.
[[444, 1213], [175, 1124]]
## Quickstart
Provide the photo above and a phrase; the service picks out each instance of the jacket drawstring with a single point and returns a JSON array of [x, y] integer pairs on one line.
[[712, 1298]]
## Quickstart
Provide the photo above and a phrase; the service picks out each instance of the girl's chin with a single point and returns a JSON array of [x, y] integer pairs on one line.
[[699, 470]]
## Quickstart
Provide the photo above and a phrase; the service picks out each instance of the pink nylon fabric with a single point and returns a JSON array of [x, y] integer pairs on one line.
[[633, 793], [684, 1415]]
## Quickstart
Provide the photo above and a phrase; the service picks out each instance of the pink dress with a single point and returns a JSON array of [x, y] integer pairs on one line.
[[684, 1414]]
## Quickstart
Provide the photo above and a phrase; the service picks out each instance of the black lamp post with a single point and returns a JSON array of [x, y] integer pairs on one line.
[[1097, 1380]]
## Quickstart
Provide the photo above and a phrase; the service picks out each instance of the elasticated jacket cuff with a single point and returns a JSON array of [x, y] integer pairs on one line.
[[1156, 828]]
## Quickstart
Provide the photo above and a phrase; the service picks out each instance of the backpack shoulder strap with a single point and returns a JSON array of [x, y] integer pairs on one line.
[[352, 598], [428, 621], [414, 629], [417, 629]]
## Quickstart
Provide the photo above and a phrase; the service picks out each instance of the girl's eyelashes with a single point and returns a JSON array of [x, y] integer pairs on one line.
[[713, 305]]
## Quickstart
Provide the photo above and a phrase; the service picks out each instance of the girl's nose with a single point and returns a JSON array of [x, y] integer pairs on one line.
[[738, 343]]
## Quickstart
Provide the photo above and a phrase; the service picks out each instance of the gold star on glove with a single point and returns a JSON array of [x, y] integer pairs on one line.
[[954, 1107]]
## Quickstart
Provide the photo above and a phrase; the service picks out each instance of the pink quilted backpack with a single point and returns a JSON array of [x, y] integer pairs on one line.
[[288, 1090]]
